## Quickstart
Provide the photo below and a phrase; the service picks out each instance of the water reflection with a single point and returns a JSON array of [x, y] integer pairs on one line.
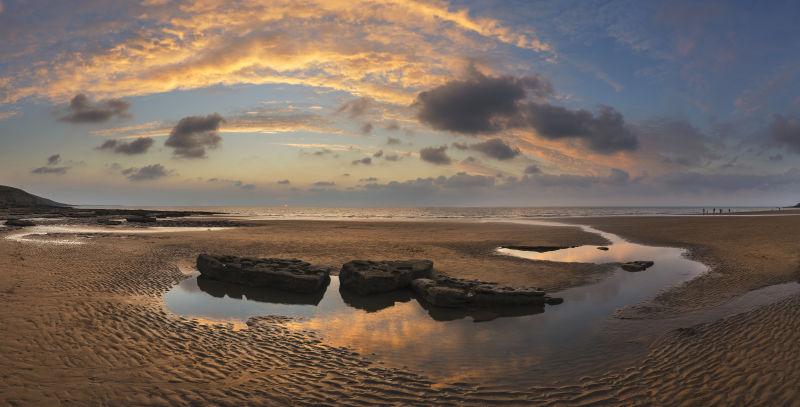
[[508, 346]]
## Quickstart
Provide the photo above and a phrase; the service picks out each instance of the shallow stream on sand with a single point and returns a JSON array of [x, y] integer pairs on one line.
[[510, 348]]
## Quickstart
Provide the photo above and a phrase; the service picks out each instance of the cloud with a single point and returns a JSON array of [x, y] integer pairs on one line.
[[50, 168], [460, 146], [324, 184], [378, 154], [604, 132], [481, 104], [356, 107], [364, 161], [194, 134], [392, 141], [7, 114], [386, 49], [435, 155], [83, 110], [693, 181], [532, 169], [233, 183], [392, 157], [284, 182], [366, 129], [496, 148], [785, 132], [677, 142], [487, 105], [137, 146], [146, 173]]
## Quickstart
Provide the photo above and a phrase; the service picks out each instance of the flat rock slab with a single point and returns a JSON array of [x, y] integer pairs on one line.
[[636, 266], [450, 292], [366, 277], [19, 223], [283, 274]]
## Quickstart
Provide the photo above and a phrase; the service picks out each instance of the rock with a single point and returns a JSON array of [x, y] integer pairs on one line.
[[538, 249], [636, 266], [450, 292], [603, 248], [283, 274], [366, 277], [19, 222], [140, 219], [553, 300]]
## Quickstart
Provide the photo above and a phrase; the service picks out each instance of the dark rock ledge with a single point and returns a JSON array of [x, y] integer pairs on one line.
[[285, 274]]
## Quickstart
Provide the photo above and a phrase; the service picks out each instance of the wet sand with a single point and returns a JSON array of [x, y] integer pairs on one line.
[[85, 324]]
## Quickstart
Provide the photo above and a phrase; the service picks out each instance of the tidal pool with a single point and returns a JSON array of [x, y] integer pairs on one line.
[[501, 346]]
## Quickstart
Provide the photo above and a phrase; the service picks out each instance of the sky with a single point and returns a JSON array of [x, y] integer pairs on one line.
[[402, 102]]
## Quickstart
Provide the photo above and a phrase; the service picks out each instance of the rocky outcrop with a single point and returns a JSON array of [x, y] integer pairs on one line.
[[20, 223], [366, 277], [450, 292], [140, 219], [636, 266], [284, 274]]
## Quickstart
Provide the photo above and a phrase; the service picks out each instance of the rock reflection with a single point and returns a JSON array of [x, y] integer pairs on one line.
[[221, 289]]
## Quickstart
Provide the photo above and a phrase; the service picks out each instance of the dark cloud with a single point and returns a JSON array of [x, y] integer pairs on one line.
[[83, 110], [533, 169], [50, 170], [392, 157], [435, 155], [785, 132], [393, 126], [323, 184], [356, 107], [481, 104], [366, 129], [194, 134], [322, 152], [368, 180], [138, 146], [460, 146], [284, 182], [496, 148], [364, 161], [378, 154], [233, 183], [615, 177], [776, 158], [485, 105], [605, 132], [730, 182], [392, 141], [146, 173]]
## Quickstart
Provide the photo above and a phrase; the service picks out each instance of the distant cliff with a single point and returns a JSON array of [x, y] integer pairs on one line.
[[17, 198]]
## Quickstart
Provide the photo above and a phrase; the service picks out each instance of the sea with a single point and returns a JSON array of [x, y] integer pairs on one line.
[[310, 213]]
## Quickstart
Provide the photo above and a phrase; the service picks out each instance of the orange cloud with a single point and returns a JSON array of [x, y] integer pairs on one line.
[[388, 50]]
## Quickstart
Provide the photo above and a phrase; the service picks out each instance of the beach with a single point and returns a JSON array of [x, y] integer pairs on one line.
[[86, 323]]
